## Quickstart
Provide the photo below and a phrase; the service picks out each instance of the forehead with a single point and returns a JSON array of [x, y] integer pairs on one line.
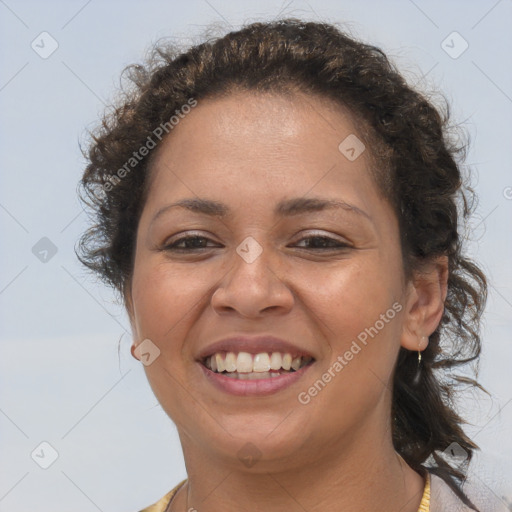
[[248, 147]]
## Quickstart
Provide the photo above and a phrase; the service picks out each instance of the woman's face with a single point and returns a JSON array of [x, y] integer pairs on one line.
[[327, 280]]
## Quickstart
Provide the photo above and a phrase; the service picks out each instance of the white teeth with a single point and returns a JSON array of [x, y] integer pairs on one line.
[[251, 376], [276, 361], [230, 362], [261, 363], [247, 365], [287, 362], [220, 362], [260, 375], [244, 362]]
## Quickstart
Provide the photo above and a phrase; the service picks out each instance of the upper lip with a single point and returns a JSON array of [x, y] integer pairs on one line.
[[253, 345]]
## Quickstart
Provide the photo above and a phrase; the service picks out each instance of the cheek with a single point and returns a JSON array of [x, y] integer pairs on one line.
[[357, 307], [164, 296], [165, 299], [349, 296]]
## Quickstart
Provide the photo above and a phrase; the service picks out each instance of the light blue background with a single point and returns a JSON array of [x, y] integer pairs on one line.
[[62, 380]]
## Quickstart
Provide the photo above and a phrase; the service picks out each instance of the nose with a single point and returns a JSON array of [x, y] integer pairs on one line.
[[253, 288]]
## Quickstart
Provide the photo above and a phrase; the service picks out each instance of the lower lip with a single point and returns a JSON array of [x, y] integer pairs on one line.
[[257, 387]]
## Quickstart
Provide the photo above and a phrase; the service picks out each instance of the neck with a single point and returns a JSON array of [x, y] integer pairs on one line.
[[357, 476]]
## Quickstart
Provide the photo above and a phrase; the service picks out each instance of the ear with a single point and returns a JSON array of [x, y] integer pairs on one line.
[[128, 304], [426, 294]]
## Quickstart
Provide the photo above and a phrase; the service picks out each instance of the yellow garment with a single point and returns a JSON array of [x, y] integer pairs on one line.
[[161, 505], [425, 500]]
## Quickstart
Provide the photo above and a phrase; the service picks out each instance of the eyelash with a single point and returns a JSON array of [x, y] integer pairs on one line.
[[339, 245]]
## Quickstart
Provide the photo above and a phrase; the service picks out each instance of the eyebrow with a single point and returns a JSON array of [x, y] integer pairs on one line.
[[285, 208]]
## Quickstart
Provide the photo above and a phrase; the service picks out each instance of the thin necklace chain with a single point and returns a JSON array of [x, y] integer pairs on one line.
[[424, 505]]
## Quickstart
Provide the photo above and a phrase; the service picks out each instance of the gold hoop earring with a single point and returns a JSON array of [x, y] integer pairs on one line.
[[416, 378]]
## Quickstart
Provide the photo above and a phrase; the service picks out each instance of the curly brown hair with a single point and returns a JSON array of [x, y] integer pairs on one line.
[[417, 168]]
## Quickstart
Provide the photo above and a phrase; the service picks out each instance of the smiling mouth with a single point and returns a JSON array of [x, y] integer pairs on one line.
[[246, 366]]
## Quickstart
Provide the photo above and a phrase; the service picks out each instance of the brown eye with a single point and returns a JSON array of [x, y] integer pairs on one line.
[[188, 243], [323, 242]]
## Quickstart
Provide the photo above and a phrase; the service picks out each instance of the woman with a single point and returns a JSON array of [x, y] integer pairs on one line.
[[278, 210]]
